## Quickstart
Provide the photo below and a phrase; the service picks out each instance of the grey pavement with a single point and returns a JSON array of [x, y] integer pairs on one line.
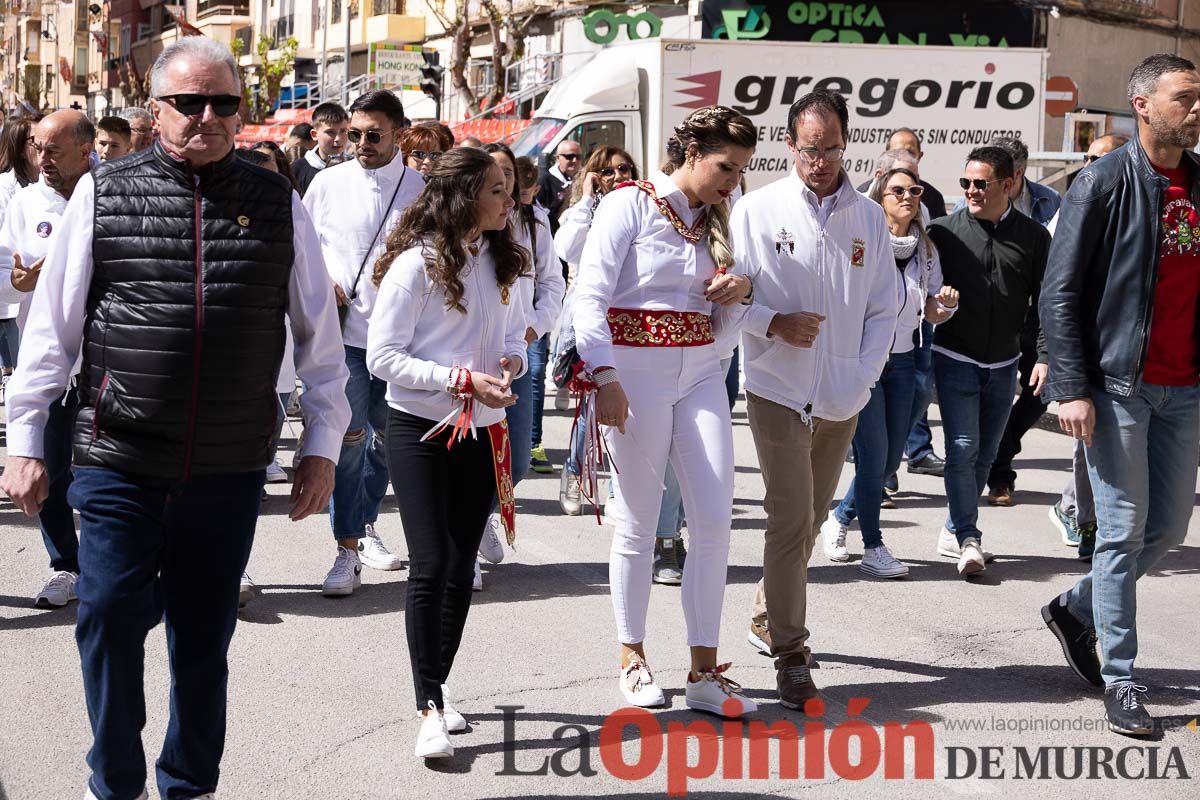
[[321, 701]]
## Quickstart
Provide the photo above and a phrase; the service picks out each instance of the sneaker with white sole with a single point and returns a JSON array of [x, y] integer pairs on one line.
[[246, 590], [759, 636], [947, 547], [713, 692], [833, 537], [373, 552], [638, 686], [455, 722], [880, 562], [491, 546], [57, 591], [477, 580], [345, 576], [88, 795], [539, 462], [570, 499], [562, 399], [971, 561], [276, 473], [433, 738]]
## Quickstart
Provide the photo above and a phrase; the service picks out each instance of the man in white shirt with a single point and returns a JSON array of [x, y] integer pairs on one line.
[[826, 297], [172, 275], [63, 141], [355, 206]]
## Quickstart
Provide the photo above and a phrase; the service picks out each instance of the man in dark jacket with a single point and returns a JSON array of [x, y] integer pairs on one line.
[[555, 183], [172, 276], [1119, 310], [995, 256]]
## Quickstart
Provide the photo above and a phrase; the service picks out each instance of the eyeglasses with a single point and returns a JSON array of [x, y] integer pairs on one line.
[[569, 156], [624, 169], [374, 137], [979, 183], [223, 105], [898, 192], [419, 155], [811, 155]]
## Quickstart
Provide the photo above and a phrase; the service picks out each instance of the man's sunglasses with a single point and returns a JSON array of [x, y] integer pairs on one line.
[[898, 192], [419, 155], [624, 169], [223, 105], [374, 137], [1089, 158], [569, 156], [979, 183]]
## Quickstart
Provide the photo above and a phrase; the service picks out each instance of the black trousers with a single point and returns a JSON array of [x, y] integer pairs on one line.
[[445, 497], [1025, 413]]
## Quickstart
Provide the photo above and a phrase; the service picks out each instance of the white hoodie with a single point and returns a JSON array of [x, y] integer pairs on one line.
[[843, 269]]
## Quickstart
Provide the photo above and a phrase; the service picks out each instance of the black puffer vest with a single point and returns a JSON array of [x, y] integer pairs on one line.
[[185, 317]]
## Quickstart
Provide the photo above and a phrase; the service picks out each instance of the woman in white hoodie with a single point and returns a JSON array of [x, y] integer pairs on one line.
[[448, 337], [651, 280], [884, 422]]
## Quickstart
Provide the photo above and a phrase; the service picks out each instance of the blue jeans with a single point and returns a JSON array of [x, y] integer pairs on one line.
[[1142, 465], [920, 437], [975, 403], [10, 343], [520, 425], [539, 355], [56, 519], [361, 479], [878, 446], [156, 549]]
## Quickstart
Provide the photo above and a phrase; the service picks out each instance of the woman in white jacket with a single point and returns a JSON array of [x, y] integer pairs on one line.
[[650, 280], [883, 424], [447, 335]]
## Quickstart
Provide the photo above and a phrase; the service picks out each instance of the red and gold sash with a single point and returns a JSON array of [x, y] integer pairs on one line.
[[693, 234]]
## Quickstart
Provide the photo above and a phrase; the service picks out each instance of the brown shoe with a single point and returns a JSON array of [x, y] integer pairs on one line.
[[760, 638], [795, 686], [1000, 496]]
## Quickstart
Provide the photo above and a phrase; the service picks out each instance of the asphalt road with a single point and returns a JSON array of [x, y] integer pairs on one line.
[[321, 701]]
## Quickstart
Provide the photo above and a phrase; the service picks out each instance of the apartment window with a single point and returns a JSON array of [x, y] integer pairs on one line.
[[81, 66], [335, 15], [389, 6]]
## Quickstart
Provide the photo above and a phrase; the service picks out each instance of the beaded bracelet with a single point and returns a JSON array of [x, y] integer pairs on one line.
[[605, 376], [459, 383]]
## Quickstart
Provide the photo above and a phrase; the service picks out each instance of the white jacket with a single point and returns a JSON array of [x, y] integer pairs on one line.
[[922, 280], [843, 269], [541, 290], [31, 221], [414, 340], [347, 204]]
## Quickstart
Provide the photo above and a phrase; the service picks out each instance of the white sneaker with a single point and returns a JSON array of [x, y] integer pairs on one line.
[[491, 547], [373, 553], [562, 399], [245, 590], [57, 591], [455, 721], [880, 562], [477, 581], [714, 691], [345, 576], [143, 796], [638, 686], [971, 561], [833, 537], [948, 547], [433, 740], [275, 473]]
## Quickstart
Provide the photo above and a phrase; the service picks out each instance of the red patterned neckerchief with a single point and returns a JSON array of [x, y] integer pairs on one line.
[[693, 234]]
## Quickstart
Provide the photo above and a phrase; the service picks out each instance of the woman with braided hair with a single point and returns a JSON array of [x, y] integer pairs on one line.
[[653, 281]]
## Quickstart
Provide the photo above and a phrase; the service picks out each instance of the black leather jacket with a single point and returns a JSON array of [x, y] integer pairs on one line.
[[1101, 275]]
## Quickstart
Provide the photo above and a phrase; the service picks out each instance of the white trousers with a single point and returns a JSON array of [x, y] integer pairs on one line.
[[678, 409]]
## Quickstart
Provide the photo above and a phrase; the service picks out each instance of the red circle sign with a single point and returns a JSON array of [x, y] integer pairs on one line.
[[1062, 95]]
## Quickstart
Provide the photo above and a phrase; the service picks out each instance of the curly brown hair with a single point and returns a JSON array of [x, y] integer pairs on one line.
[[440, 220]]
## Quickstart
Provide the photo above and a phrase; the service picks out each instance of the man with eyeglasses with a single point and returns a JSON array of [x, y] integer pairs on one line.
[[172, 274], [995, 256], [816, 338], [63, 142], [141, 128], [555, 183], [355, 206]]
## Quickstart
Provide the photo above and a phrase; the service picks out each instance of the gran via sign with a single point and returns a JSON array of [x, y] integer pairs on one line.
[[980, 23]]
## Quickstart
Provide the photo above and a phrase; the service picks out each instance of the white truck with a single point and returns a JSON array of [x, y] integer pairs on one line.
[[632, 95]]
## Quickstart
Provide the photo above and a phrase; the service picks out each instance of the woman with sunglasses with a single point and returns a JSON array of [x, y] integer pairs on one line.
[[884, 422], [422, 146]]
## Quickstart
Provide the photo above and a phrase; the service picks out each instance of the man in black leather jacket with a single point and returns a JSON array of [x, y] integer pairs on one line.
[[1119, 310]]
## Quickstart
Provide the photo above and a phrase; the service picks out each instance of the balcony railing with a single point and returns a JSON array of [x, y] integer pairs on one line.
[[213, 8]]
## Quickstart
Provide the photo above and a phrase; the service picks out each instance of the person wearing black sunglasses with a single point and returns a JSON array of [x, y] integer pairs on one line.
[[171, 276], [995, 256]]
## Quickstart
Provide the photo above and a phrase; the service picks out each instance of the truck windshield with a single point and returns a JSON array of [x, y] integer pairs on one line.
[[533, 140]]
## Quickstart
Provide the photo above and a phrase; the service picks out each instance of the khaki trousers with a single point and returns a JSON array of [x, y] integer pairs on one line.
[[800, 467]]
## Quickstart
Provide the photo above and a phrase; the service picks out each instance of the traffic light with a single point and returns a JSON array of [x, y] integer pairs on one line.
[[431, 79]]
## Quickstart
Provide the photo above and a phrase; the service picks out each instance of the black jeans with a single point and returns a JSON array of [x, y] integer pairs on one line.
[[56, 518], [1025, 413], [445, 497]]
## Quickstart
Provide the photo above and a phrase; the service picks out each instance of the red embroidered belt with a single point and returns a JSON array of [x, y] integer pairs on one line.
[[635, 327]]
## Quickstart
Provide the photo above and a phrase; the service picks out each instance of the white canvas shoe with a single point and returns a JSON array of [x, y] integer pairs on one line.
[[433, 740], [638, 686], [373, 552], [833, 537]]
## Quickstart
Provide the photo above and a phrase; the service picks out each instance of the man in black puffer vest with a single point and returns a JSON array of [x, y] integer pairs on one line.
[[172, 274]]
